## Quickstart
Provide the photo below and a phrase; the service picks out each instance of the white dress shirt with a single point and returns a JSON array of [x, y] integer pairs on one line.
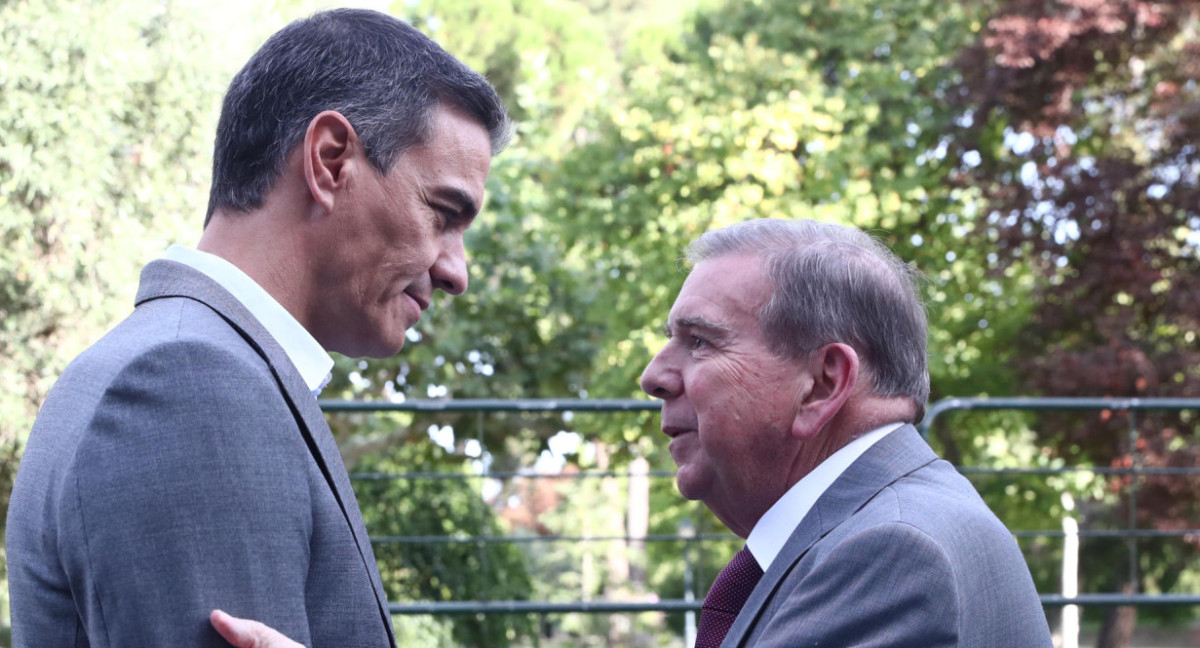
[[313, 363], [777, 524]]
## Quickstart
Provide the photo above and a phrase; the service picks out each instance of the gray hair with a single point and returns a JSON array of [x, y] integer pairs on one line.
[[835, 284], [382, 74]]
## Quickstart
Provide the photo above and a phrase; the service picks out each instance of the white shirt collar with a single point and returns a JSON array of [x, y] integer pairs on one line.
[[313, 363], [774, 528]]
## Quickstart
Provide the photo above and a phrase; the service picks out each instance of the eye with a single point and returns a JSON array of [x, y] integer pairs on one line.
[[445, 215], [696, 342]]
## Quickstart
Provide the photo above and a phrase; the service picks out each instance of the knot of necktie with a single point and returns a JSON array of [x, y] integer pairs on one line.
[[725, 599]]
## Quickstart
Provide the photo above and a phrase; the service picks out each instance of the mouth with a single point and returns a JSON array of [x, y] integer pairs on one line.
[[421, 302], [674, 431]]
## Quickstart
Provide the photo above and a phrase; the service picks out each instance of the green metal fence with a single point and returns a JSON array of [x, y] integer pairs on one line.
[[482, 407]]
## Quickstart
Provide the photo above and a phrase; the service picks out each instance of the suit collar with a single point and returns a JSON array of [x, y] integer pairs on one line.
[[773, 529], [164, 278], [891, 458], [302, 349]]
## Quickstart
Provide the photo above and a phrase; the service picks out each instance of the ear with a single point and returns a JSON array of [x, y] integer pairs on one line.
[[330, 146], [834, 374]]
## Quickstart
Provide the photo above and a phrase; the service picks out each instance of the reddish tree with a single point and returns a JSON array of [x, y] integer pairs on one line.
[[1095, 186]]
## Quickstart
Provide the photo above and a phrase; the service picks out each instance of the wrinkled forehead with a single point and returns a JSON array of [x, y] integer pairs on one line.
[[728, 290]]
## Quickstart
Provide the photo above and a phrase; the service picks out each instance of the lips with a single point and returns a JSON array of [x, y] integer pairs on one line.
[[421, 302], [684, 444], [674, 431]]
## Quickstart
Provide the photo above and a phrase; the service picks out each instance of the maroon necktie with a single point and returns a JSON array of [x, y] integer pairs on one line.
[[726, 598]]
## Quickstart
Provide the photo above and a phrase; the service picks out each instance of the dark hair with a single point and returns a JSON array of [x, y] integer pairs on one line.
[[382, 74], [835, 284]]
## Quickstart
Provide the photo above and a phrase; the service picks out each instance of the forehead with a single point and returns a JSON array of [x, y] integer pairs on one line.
[[728, 291], [458, 151]]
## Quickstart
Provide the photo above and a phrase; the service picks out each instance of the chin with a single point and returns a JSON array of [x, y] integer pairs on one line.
[[687, 489], [385, 343], [383, 353], [377, 349]]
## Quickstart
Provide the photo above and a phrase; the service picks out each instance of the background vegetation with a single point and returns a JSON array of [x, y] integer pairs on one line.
[[1037, 159]]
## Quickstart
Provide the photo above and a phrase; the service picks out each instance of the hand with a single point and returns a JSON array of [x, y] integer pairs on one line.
[[244, 633]]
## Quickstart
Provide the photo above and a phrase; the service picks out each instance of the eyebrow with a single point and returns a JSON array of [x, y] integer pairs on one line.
[[699, 324], [462, 200]]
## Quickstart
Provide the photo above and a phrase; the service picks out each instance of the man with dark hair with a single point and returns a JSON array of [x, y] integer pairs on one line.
[[795, 368], [182, 464]]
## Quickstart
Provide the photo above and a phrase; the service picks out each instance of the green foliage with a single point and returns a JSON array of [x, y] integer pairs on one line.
[[441, 571], [547, 61], [101, 157], [644, 32], [787, 110]]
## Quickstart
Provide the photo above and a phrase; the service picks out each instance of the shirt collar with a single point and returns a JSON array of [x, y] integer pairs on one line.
[[310, 360], [774, 528]]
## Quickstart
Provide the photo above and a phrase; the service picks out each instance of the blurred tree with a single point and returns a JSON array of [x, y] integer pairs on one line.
[[101, 146], [441, 571], [547, 60], [102, 159], [1086, 116]]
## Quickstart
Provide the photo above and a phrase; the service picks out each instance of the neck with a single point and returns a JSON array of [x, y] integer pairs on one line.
[[267, 248], [856, 418]]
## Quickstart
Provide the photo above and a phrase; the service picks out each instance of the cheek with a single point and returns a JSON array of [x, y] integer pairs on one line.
[[408, 255], [733, 386]]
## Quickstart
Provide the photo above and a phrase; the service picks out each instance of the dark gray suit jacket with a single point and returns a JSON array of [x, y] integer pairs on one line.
[[179, 465], [899, 552]]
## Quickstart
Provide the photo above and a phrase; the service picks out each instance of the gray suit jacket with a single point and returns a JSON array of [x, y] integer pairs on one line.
[[899, 552], [179, 465]]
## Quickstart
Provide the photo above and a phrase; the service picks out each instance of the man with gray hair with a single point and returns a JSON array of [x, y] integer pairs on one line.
[[794, 370], [182, 464]]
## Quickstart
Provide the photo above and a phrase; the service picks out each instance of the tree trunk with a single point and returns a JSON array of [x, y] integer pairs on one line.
[[1117, 629]]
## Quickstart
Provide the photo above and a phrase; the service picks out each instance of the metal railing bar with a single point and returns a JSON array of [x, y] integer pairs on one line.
[[722, 537], [646, 405], [1111, 533], [542, 607], [701, 537], [680, 605], [1041, 403], [1134, 454], [495, 405], [1131, 534], [663, 474], [1172, 471], [507, 475], [1147, 600]]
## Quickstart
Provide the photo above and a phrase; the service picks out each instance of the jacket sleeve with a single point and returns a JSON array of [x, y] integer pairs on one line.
[[887, 586], [189, 492]]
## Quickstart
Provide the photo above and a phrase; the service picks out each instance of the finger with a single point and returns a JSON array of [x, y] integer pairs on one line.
[[239, 632], [247, 634], [244, 633]]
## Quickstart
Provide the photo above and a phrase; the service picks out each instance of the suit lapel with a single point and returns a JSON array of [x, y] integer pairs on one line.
[[171, 279], [891, 458]]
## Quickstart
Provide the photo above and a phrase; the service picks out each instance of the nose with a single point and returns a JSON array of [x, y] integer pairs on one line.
[[449, 271], [660, 379]]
